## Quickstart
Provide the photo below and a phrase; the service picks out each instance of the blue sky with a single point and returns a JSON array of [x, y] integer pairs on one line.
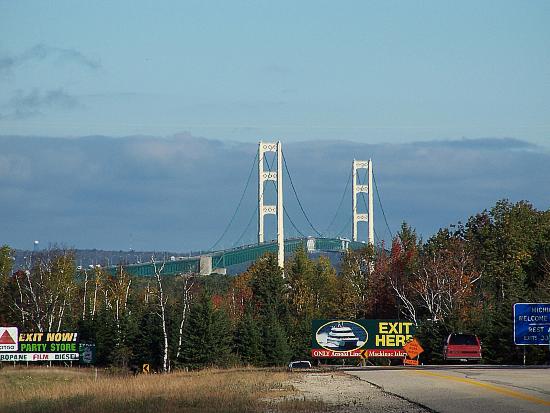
[[366, 71], [115, 116]]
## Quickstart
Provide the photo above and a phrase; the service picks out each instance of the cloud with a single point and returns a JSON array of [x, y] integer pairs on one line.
[[177, 193], [24, 105], [7, 63], [40, 52]]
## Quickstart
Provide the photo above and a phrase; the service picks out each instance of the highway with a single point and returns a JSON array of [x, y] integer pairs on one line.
[[448, 389]]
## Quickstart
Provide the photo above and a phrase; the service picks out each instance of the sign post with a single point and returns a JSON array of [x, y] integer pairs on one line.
[[364, 357]]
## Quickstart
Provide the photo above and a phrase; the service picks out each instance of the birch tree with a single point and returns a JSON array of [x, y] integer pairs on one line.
[[119, 289], [445, 278], [161, 301], [43, 294], [441, 281], [188, 282]]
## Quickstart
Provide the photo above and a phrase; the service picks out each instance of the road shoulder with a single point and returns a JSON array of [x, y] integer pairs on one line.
[[342, 392]]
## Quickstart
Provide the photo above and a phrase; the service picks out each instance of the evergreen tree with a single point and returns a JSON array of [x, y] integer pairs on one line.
[[248, 339], [6, 265], [275, 344], [147, 346], [269, 292], [123, 353], [207, 339], [105, 336], [268, 287], [300, 339]]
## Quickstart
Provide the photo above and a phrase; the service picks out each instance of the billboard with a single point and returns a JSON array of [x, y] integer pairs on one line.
[[352, 338], [39, 346]]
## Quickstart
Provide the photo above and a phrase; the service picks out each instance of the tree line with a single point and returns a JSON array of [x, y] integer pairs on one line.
[[465, 278]]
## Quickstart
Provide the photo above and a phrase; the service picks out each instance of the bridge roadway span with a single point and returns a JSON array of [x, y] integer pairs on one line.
[[241, 257]]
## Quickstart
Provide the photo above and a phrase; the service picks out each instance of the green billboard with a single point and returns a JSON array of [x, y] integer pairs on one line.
[[360, 338]]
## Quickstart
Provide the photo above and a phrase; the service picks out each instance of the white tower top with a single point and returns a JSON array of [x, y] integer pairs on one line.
[[278, 209], [356, 189]]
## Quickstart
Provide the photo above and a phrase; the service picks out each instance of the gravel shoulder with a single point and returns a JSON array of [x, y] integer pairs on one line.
[[341, 392]]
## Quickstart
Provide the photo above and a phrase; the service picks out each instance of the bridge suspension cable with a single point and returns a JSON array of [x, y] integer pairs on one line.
[[377, 238], [347, 224], [378, 196], [269, 169], [292, 223], [238, 205], [287, 215], [269, 166], [246, 228], [339, 204], [298, 199], [381, 207]]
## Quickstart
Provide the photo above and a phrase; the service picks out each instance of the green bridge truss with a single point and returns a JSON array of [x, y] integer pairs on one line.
[[239, 256]]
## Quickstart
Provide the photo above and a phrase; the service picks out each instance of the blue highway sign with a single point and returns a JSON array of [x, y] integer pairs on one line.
[[532, 324]]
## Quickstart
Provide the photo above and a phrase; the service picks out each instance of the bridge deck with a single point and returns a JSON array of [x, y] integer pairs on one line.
[[240, 256]]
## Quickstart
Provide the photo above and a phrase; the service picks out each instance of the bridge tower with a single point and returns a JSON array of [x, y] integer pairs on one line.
[[278, 210], [358, 188]]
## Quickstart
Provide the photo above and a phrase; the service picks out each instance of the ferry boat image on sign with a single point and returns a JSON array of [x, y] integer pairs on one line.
[[341, 336]]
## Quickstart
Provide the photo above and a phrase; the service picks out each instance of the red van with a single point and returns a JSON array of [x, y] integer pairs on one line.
[[462, 347]]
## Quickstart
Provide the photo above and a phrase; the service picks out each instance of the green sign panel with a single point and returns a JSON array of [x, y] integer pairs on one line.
[[87, 353]]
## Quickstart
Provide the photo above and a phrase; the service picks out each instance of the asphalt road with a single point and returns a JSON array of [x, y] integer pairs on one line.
[[466, 390]]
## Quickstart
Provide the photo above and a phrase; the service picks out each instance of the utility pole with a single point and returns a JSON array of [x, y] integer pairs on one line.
[[277, 209], [366, 188]]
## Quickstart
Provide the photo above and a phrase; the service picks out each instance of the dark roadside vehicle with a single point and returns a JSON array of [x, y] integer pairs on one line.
[[299, 365], [462, 347]]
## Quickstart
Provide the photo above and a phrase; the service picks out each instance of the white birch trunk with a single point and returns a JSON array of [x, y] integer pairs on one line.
[[185, 310], [95, 297], [85, 293], [162, 314]]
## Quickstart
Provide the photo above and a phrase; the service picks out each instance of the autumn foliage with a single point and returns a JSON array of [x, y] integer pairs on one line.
[[463, 278]]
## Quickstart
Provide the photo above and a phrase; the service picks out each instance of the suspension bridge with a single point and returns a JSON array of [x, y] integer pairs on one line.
[[271, 167]]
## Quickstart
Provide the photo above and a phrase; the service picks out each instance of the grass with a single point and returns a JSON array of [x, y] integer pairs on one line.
[[40, 389]]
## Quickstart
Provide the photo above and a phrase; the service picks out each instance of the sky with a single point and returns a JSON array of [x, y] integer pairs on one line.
[[359, 70], [138, 103]]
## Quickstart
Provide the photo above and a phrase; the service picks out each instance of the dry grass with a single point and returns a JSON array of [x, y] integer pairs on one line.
[[75, 390]]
